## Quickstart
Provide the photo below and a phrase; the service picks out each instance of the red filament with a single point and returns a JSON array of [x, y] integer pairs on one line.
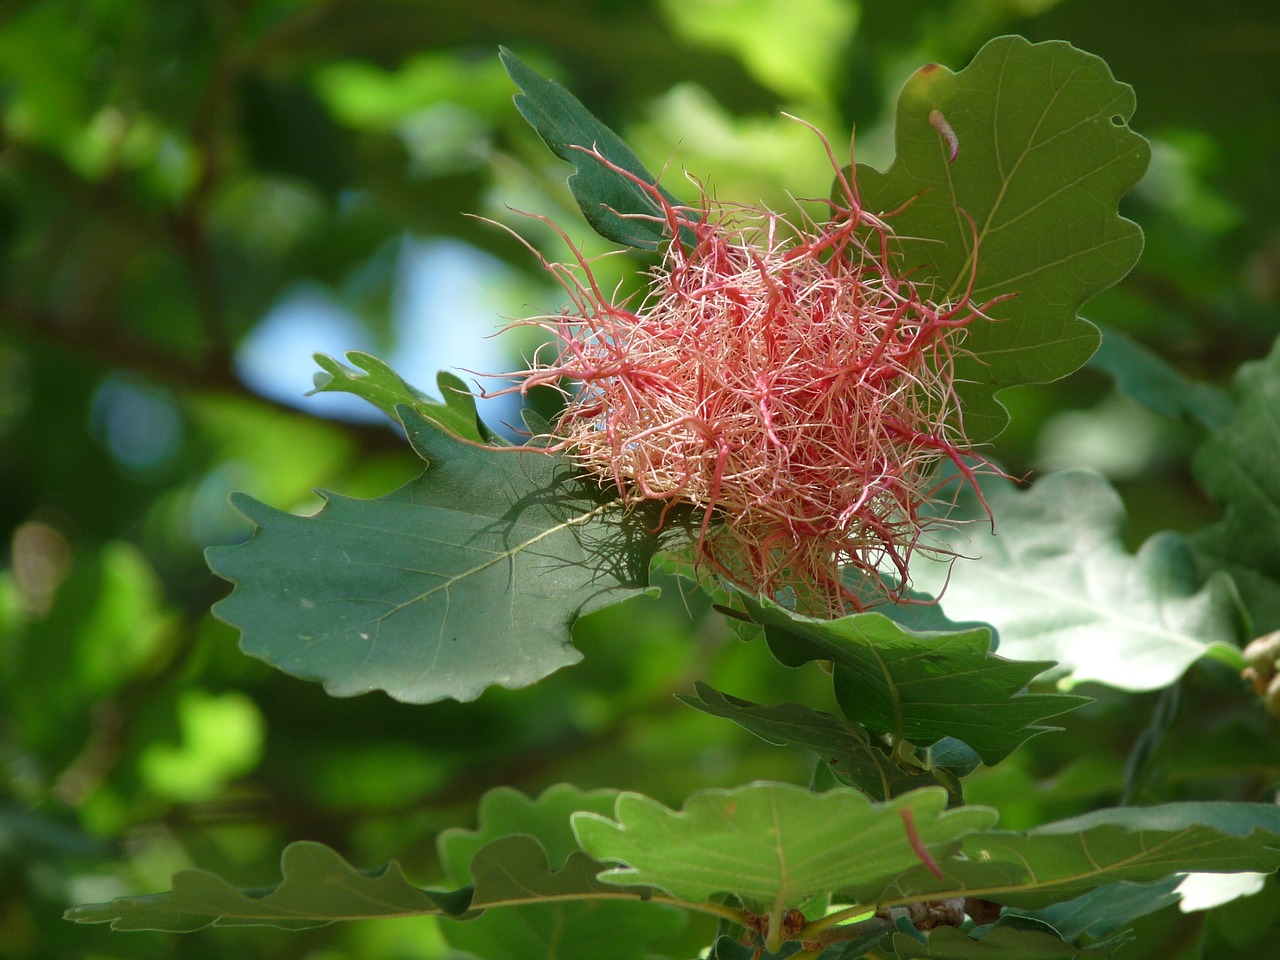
[[785, 378]]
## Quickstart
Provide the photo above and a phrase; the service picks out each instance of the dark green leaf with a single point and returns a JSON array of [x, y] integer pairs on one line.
[[376, 382], [772, 845], [1243, 928], [918, 687], [1109, 908], [615, 206], [1057, 582], [1001, 943], [1043, 155], [846, 747], [1240, 468], [470, 575]]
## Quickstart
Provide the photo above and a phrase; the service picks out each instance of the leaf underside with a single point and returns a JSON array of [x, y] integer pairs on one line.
[[771, 845]]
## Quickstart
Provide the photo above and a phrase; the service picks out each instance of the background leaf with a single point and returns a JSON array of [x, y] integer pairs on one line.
[[772, 845], [1149, 379], [1058, 584], [319, 887], [470, 575], [1044, 155], [918, 687], [1240, 468], [609, 200]]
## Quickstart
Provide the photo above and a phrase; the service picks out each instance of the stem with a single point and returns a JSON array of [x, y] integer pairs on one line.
[[812, 929], [847, 932]]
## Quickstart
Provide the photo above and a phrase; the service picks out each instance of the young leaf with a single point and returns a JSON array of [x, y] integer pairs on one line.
[[918, 687], [844, 746], [471, 574], [1057, 583], [374, 381], [1239, 467], [615, 206], [319, 887], [772, 845], [1023, 155], [569, 929]]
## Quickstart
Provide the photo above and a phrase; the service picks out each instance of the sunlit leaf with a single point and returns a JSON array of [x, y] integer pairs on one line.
[[1058, 584], [772, 845], [918, 686], [1042, 154], [615, 206], [373, 380], [1240, 468], [471, 574]]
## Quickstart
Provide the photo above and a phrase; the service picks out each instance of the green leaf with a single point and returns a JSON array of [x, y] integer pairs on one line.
[[469, 575], [1239, 467], [771, 845], [1000, 943], [1108, 909], [1057, 583], [584, 928], [844, 746], [371, 379], [1071, 857], [615, 206], [319, 887], [504, 811], [918, 686], [1146, 377], [1043, 155]]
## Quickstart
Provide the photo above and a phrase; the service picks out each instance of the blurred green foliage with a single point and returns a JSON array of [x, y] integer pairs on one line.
[[171, 174]]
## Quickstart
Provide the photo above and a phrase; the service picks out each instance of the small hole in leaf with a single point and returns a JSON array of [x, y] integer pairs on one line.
[[1117, 120]]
